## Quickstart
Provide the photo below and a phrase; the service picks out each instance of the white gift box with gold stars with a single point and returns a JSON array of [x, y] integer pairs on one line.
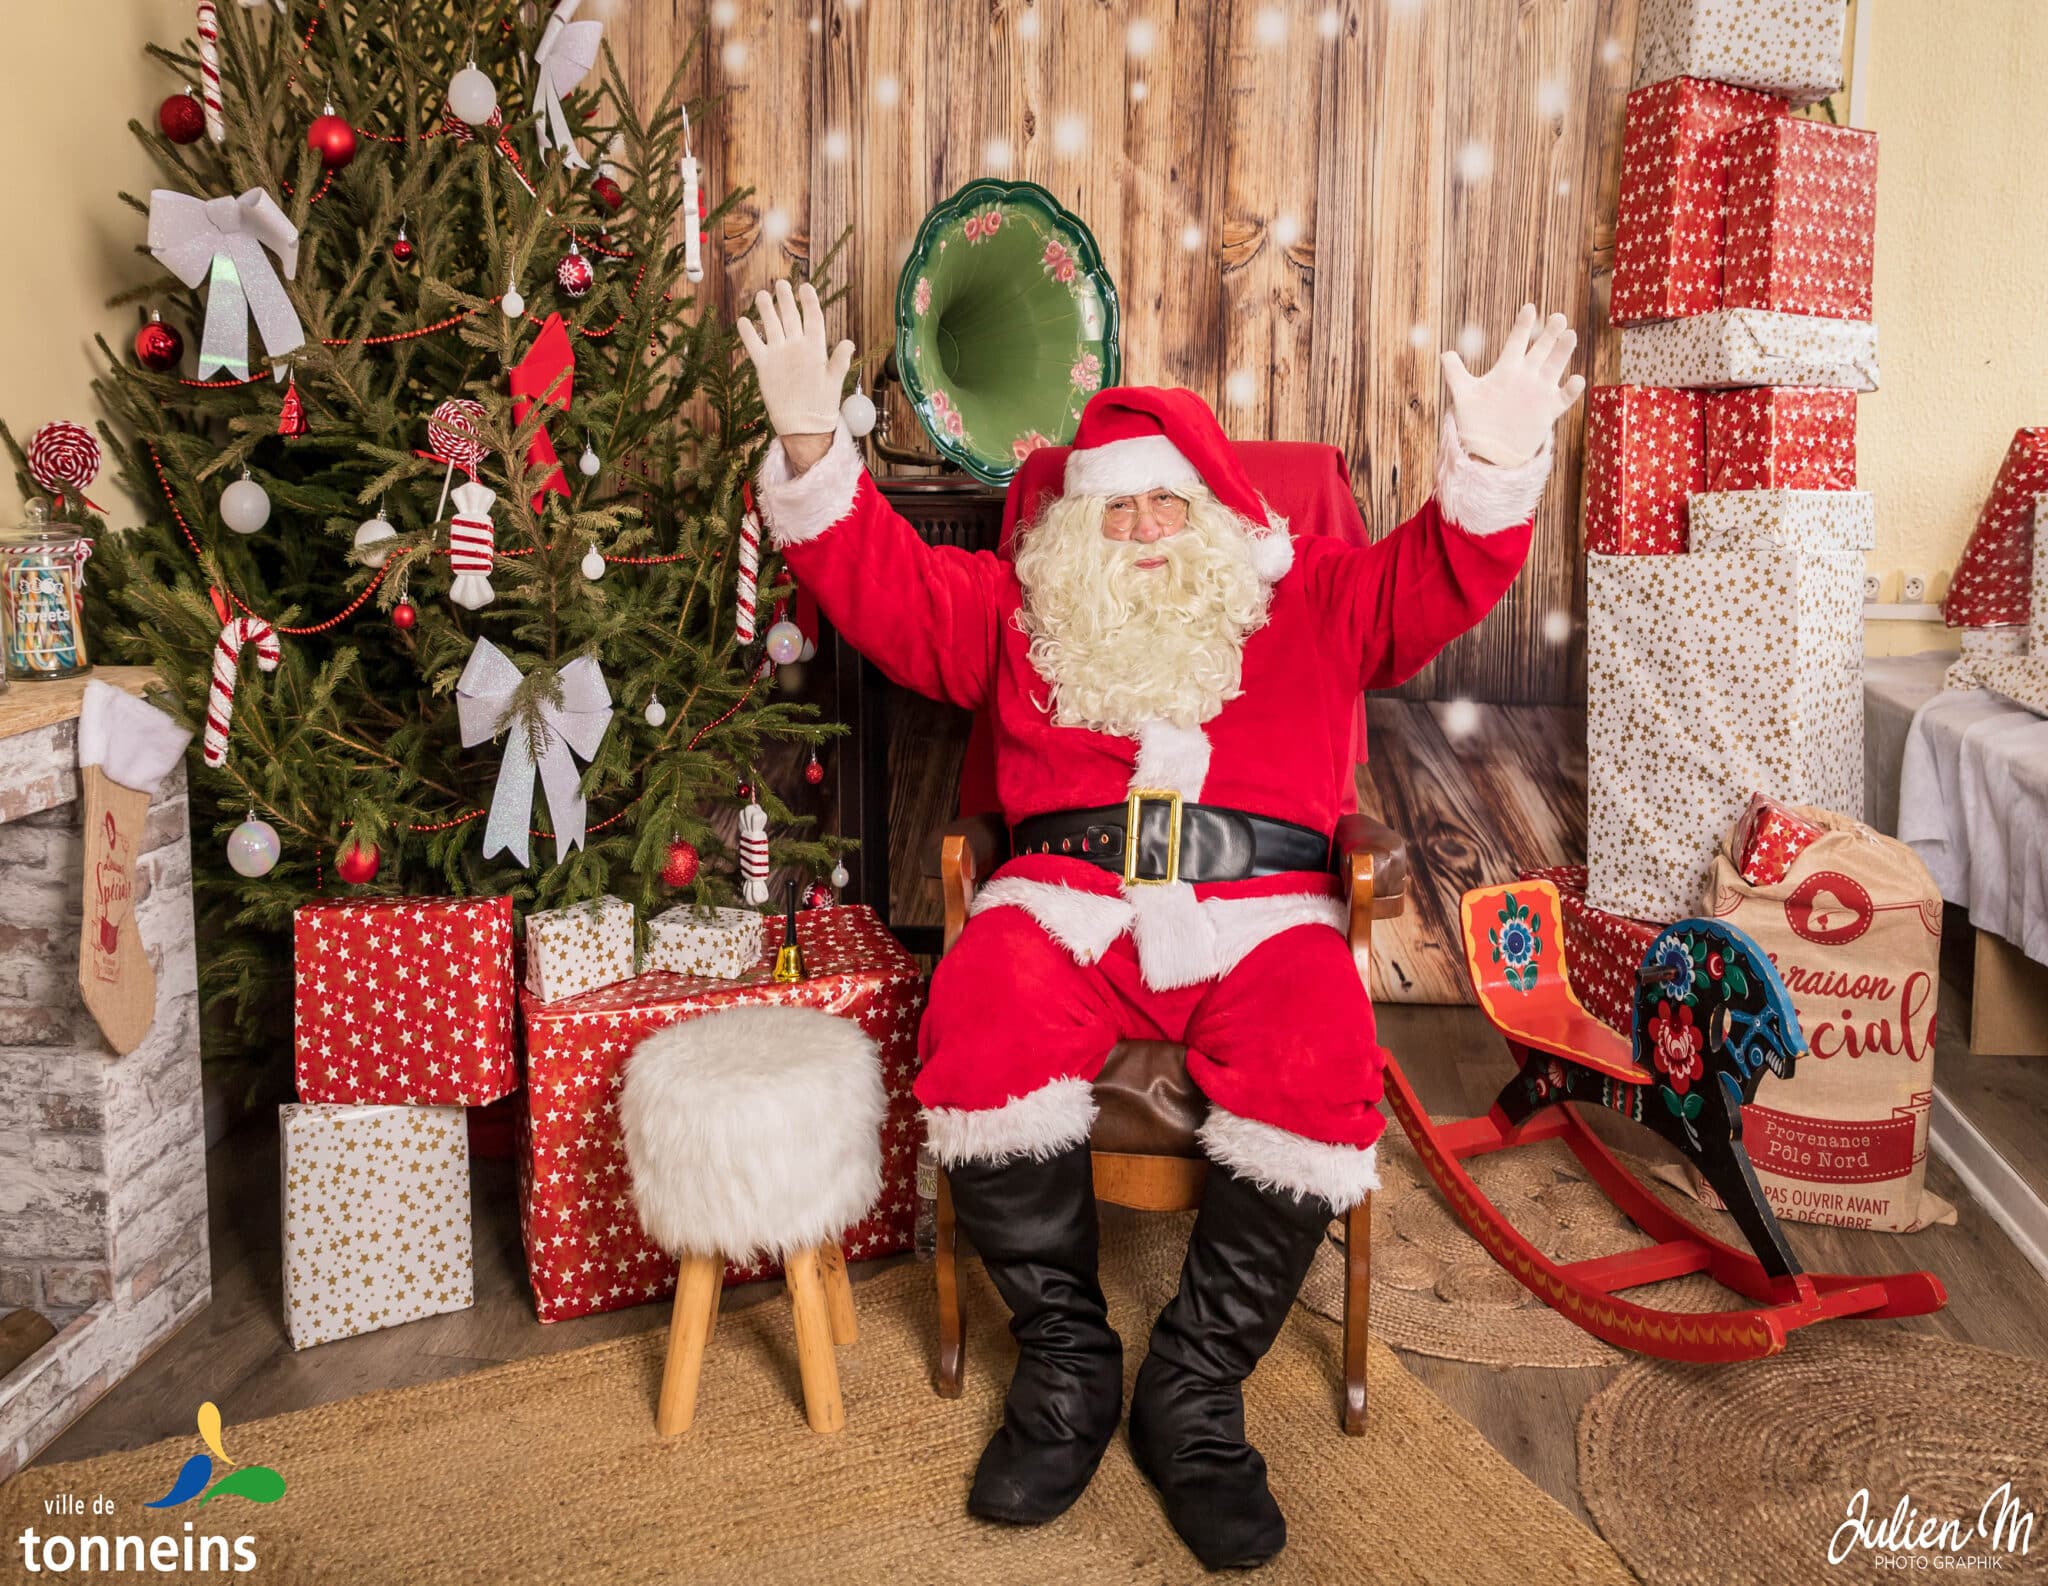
[[376, 1217], [579, 948], [692, 941]]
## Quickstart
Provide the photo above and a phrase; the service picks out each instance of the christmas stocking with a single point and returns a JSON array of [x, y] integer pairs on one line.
[[126, 746]]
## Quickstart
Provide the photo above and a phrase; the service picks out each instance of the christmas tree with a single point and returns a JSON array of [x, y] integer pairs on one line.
[[581, 621]]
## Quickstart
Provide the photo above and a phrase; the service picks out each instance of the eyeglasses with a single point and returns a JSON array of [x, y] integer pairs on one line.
[[1167, 509]]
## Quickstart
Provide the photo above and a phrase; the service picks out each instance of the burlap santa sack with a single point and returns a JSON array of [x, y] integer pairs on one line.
[[1854, 927]]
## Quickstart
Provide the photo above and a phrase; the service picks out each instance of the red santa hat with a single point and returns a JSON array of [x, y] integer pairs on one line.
[[1134, 438]]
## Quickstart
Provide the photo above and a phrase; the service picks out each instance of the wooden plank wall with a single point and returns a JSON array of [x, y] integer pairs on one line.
[[1300, 202]]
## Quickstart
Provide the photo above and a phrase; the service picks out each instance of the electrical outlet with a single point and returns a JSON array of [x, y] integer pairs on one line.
[[1873, 586], [1913, 586]]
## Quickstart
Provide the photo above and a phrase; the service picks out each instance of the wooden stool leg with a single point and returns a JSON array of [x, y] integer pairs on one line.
[[1357, 1309], [689, 1324], [711, 1301], [946, 1270], [820, 1372], [838, 1294]]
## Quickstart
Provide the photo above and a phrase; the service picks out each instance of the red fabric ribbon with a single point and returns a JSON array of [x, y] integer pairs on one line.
[[546, 374]]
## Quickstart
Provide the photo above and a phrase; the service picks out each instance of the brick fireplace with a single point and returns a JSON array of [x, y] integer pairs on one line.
[[102, 1159]]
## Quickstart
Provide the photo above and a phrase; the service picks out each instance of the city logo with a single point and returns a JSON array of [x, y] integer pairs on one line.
[[257, 1483]]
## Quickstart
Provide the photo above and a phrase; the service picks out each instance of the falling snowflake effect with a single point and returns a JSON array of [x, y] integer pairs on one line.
[[733, 57], [1557, 626], [1027, 24], [1138, 91], [887, 91], [775, 224], [835, 145], [1610, 52], [1564, 187], [1461, 719], [1191, 237], [1330, 22], [1069, 134], [1419, 336], [1286, 230], [1471, 341], [1551, 97], [1269, 27], [1140, 38], [1403, 8], [817, 25], [995, 154], [723, 13], [1240, 388], [1475, 162]]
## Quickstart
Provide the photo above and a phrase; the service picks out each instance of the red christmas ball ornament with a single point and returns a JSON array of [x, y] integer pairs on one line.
[[357, 862], [182, 118], [606, 191], [332, 138], [574, 274], [401, 247], [158, 347], [403, 615], [744, 790], [819, 896], [681, 868], [814, 773]]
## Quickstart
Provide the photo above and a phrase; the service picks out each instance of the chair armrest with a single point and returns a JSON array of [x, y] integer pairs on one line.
[[1371, 861], [967, 850]]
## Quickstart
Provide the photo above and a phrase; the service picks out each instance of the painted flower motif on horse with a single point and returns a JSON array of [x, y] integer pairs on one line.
[[1517, 943], [1676, 1045]]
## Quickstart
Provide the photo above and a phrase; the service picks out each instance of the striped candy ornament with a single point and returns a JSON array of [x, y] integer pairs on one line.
[[208, 27], [227, 659], [472, 547], [754, 853], [750, 567]]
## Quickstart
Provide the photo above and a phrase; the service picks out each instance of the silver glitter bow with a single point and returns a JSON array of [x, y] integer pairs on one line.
[[550, 738], [224, 238], [567, 51]]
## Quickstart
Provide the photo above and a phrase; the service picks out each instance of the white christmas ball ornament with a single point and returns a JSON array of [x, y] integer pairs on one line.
[[244, 507], [472, 95], [840, 876], [785, 643], [593, 564], [588, 464], [859, 412], [656, 711], [370, 532], [512, 303], [253, 848]]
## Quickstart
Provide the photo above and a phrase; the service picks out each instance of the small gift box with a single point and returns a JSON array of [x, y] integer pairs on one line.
[[579, 948], [1751, 346], [1781, 438], [1674, 176], [1645, 451], [1991, 583], [1981, 648], [1801, 218], [1769, 838], [376, 1217], [1788, 47], [725, 943], [403, 1000], [1786, 520]]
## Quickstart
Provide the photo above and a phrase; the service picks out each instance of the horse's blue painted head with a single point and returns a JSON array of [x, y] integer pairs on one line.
[[1709, 1000]]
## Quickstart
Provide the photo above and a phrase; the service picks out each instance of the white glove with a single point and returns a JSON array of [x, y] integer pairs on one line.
[[800, 385], [1504, 416]]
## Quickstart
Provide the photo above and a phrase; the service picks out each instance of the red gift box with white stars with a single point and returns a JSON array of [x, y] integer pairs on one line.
[[1991, 583], [1674, 182], [1781, 438], [1646, 451], [1602, 951], [585, 1250], [1769, 839], [1801, 218], [403, 1000]]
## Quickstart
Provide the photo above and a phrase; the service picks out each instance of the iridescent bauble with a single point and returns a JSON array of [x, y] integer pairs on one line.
[[785, 642], [574, 274], [472, 96], [859, 412], [253, 848], [371, 533], [333, 139], [244, 506], [159, 347], [403, 616], [182, 118], [840, 875], [681, 868], [357, 862], [593, 564]]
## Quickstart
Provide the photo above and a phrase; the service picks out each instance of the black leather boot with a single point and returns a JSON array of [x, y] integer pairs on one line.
[[1246, 1259], [1034, 1224]]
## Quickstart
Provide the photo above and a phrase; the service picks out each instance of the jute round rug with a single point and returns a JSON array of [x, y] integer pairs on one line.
[[1722, 1476], [549, 1470], [1435, 1291]]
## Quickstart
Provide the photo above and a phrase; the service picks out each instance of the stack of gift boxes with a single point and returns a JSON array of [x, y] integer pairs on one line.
[[405, 1017], [1724, 532]]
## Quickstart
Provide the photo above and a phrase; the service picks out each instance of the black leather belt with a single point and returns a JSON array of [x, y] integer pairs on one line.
[[1154, 836]]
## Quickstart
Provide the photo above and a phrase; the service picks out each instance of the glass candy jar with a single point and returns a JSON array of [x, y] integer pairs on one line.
[[42, 598]]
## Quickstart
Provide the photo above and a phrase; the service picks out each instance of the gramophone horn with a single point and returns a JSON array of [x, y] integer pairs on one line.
[[1006, 323]]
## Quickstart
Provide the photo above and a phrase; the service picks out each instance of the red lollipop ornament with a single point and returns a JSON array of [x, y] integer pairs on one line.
[[455, 439], [64, 458]]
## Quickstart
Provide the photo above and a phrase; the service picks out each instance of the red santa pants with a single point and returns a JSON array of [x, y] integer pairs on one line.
[[1284, 1039]]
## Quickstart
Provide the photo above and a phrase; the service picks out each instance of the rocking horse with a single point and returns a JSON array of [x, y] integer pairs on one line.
[[1711, 1018]]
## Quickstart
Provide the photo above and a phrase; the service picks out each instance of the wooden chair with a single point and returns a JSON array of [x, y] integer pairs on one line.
[[1143, 1145]]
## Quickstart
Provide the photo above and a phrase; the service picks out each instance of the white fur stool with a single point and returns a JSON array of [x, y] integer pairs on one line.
[[749, 1132]]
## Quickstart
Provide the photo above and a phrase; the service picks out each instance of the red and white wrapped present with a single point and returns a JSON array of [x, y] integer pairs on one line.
[[1601, 951], [403, 1000], [1990, 587], [1788, 47], [585, 1249], [1768, 838], [1674, 182], [1781, 438], [1801, 219], [1645, 452]]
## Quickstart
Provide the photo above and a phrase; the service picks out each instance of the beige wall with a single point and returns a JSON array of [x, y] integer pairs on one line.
[[1953, 88], [66, 123]]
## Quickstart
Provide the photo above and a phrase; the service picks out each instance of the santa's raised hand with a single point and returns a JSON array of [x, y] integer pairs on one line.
[[800, 382], [1505, 415]]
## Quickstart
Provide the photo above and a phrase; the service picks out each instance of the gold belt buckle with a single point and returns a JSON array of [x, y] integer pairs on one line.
[[1132, 805]]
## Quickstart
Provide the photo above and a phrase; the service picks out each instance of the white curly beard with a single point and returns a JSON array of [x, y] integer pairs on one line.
[[1122, 644]]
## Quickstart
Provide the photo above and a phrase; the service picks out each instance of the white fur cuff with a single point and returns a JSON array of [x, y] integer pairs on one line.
[[1126, 467], [1481, 498], [805, 506], [1040, 1125], [1276, 1159], [1084, 923]]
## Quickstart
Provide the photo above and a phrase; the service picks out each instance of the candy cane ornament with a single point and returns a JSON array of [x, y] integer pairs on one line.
[[472, 547], [227, 659], [750, 567], [754, 853], [208, 27]]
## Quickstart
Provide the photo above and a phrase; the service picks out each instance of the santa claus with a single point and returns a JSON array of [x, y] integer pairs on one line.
[[1161, 656]]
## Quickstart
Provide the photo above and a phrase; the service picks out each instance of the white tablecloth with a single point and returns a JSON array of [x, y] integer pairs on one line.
[[1894, 689], [1973, 803]]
